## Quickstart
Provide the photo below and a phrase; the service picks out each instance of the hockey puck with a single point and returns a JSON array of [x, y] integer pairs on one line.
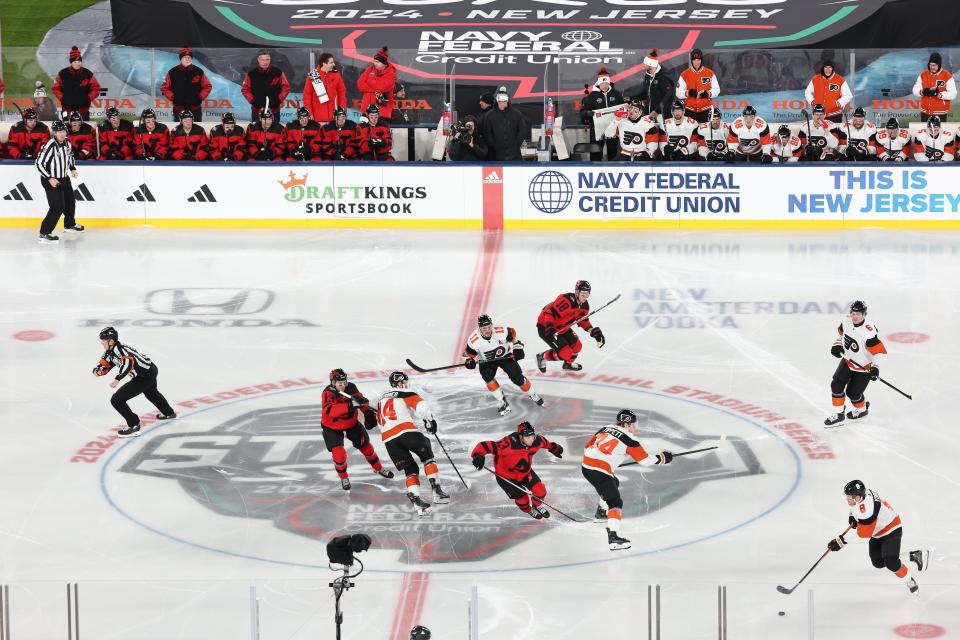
[[781, 613]]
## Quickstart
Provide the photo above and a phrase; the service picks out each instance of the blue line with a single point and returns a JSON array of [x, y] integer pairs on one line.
[[618, 557]]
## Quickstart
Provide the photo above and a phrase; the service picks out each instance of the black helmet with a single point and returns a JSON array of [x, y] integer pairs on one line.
[[339, 111], [112, 112], [635, 102], [858, 306], [676, 105], [303, 112], [371, 109], [892, 123], [228, 118], [582, 285], [108, 333], [147, 113], [749, 110], [75, 117], [784, 131], [717, 114], [626, 416], [934, 121], [29, 114], [483, 320], [526, 429], [818, 108], [266, 113], [397, 377], [420, 632], [859, 112], [186, 113], [58, 126], [338, 375], [855, 488]]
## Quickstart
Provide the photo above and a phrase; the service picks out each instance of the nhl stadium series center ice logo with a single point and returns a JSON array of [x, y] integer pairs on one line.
[[269, 463]]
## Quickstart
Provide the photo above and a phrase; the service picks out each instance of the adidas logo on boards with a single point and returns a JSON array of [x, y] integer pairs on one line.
[[203, 195], [141, 194], [19, 192], [493, 178], [82, 194]]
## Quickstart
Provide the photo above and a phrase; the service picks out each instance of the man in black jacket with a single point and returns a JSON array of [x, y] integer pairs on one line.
[[656, 89], [603, 95], [468, 145], [503, 129]]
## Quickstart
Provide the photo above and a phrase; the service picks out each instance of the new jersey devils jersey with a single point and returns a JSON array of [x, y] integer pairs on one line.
[[930, 149], [749, 141], [861, 344], [497, 346], [565, 312], [682, 135], [713, 140], [398, 411], [636, 136], [511, 459], [607, 448], [896, 147], [875, 517]]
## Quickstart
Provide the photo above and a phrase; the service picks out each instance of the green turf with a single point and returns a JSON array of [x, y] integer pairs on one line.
[[22, 27]]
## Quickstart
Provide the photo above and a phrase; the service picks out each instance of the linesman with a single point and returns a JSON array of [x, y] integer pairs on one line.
[[54, 162]]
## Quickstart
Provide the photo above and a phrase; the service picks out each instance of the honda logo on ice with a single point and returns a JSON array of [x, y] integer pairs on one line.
[[208, 302]]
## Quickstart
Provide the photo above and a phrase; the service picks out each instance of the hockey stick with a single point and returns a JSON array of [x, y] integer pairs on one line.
[[846, 123], [562, 329], [676, 455], [907, 395], [787, 591], [456, 365], [529, 493], [451, 461]]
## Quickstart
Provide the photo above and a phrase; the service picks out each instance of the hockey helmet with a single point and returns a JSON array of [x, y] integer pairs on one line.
[[859, 306], [108, 333], [934, 121], [420, 632], [483, 320], [373, 109], [303, 112], [266, 113], [228, 118], [398, 377], [29, 114], [818, 108], [75, 117], [338, 375], [635, 102], [676, 105], [339, 111], [582, 285], [859, 112], [784, 131], [893, 123], [148, 113], [186, 113], [855, 488], [749, 111], [717, 114], [58, 126], [626, 416], [526, 429], [112, 112]]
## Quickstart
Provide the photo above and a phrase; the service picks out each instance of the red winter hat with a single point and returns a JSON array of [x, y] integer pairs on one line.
[[603, 75], [75, 54], [186, 51], [382, 56]]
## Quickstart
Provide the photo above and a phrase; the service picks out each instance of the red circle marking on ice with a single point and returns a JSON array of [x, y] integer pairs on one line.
[[908, 337], [919, 631], [33, 335], [445, 14]]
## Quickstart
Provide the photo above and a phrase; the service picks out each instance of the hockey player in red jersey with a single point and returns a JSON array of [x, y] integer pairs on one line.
[[228, 140], [339, 138], [374, 140], [266, 140], [341, 401], [303, 138], [858, 344], [398, 413], [875, 520], [27, 137], [555, 326], [82, 137], [513, 464], [494, 347], [602, 454], [151, 139], [188, 141], [116, 137]]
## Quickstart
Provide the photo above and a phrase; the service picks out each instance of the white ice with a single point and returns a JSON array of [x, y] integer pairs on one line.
[[165, 545]]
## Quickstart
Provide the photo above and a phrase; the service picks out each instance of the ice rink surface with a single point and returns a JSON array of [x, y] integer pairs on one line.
[[719, 338]]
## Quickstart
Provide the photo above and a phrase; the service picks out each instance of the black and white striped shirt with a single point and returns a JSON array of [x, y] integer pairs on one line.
[[56, 160], [131, 360]]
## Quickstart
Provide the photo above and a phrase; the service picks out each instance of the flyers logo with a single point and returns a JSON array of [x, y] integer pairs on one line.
[[833, 87], [850, 344]]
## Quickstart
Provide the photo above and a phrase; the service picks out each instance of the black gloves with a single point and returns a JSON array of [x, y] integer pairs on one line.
[[478, 461], [430, 425], [836, 544], [470, 363], [853, 522], [665, 458], [692, 93], [518, 352], [874, 372], [930, 92], [358, 402], [556, 450], [597, 335], [703, 94], [766, 159], [369, 420], [836, 351]]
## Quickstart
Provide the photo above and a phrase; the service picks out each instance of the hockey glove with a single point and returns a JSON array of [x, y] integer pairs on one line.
[[430, 425], [518, 352], [813, 152], [369, 420], [358, 401], [478, 461], [837, 543], [556, 450], [470, 363], [836, 351], [262, 154], [899, 158], [729, 157], [930, 92], [874, 372], [853, 522], [597, 335], [765, 159], [692, 93], [664, 457], [703, 94], [298, 155]]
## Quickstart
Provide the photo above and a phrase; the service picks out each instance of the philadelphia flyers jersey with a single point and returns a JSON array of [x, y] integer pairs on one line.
[[636, 136], [607, 448], [498, 345], [895, 147], [927, 148], [861, 344], [790, 151], [875, 517], [824, 136], [682, 135], [714, 141], [861, 139], [398, 412], [749, 141]]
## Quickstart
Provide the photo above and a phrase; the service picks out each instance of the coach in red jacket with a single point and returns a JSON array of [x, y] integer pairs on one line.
[[186, 86], [75, 86], [332, 91], [377, 83], [262, 83]]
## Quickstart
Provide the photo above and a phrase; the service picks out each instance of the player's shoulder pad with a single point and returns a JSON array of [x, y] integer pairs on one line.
[[760, 122], [904, 133], [390, 394], [738, 122], [692, 121], [351, 389], [794, 140], [405, 394]]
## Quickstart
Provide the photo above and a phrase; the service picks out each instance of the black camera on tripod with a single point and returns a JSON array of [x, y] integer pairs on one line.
[[340, 552], [462, 133]]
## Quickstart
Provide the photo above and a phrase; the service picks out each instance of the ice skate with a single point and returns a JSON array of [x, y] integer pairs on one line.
[[129, 432], [504, 409], [541, 363], [615, 542], [600, 515], [48, 238], [385, 473], [912, 585], [422, 506], [541, 510], [169, 416], [834, 420], [572, 366], [345, 484], [439, 495], [921, 558], [855, 414], [536, 398], [77, 228]]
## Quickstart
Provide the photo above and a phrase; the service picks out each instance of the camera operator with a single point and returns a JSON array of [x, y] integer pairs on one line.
[[467, 144]]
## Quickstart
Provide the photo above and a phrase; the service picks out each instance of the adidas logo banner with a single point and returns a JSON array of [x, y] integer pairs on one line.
[[18, 193], [203, 195], [493, 177], [141, 194], [82, 194]]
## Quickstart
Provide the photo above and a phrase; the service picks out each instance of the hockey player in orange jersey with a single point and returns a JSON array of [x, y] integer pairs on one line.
[[859, 346], [397, 414], [602, 454], [875, 520]]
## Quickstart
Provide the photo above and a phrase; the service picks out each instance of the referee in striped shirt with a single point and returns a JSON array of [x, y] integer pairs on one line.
[[53, 162]]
